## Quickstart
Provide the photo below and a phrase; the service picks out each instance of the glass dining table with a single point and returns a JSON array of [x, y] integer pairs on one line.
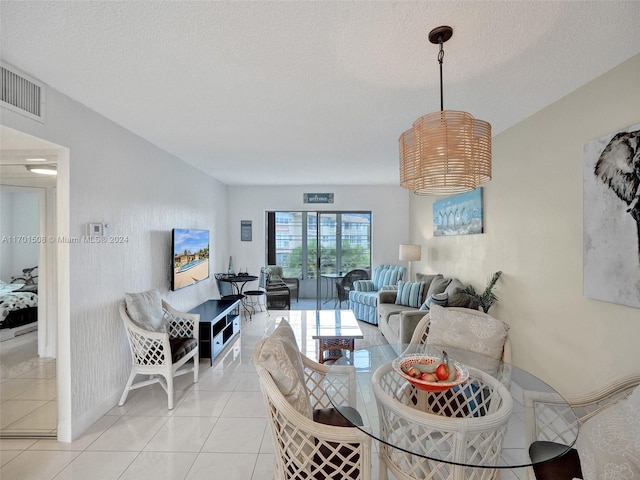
[[471, 431]]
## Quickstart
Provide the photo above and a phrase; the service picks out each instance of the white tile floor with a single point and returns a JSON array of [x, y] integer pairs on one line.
[[217, 429], [27, 387]]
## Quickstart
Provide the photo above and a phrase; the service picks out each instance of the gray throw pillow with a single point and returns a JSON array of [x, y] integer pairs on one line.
[[463, 300], [427, 279], [455, 286], [145, 309], [438, 285]]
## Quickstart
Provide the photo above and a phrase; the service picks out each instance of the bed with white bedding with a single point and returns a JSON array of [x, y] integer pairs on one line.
[[18, 305]]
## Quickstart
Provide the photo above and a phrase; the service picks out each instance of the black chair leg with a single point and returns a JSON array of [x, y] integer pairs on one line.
[[563, 466]]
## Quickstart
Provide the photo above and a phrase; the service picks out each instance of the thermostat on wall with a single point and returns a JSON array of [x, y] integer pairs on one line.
[[96, 229]]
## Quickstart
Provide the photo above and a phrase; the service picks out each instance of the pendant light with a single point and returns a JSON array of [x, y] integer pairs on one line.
[[445, 152]]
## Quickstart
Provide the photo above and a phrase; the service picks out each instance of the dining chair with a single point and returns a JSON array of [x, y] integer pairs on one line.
[[608, 419], [311, 439], [465, 426], [257, 298], [463, 339]]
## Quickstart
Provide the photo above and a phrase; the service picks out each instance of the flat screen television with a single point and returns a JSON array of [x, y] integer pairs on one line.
[[190, 257]]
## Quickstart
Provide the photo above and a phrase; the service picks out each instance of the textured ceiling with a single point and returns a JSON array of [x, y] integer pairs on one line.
[[313, 92]]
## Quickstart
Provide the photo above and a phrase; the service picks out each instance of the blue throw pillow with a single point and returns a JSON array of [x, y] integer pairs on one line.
[[439, 299], [410, 293]]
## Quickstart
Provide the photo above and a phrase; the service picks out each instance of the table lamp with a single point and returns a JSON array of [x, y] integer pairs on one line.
[[410, 253]]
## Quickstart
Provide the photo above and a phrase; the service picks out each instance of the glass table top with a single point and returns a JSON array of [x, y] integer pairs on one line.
[[434, 425]]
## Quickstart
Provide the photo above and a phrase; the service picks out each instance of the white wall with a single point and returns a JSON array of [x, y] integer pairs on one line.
[[533, 233], [19, 212], [389, 206], [142, 192]]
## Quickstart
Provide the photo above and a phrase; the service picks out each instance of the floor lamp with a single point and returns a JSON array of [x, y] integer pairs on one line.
[[410, 253]]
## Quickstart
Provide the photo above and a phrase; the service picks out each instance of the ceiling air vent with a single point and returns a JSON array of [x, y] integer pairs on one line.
[[21, 94]]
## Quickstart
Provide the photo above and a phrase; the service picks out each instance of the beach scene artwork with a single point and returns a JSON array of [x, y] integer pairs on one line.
[[190, 256], [458, 215]]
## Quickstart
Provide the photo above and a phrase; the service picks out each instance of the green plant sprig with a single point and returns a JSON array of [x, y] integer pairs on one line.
[[487, 298]]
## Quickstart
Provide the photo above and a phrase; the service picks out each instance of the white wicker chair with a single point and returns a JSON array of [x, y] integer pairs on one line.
[[152, 353], [422, 331], [550, 418], [306, 449], [466, 427]]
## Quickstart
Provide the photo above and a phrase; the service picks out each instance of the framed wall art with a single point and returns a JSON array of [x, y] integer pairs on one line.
[[245, 231], [458, 215], [611, 217]]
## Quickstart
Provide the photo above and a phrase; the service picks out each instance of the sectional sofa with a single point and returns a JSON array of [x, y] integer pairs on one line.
[[400, 310]]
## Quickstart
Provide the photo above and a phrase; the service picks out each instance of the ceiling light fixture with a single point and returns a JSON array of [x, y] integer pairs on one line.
[[35, 160], [448, 151], [43, 169]]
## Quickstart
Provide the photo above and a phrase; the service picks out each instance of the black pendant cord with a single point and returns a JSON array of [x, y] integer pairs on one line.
[[440, 59]]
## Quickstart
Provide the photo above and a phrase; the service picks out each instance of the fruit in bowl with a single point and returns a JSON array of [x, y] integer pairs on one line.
[[429, 373]]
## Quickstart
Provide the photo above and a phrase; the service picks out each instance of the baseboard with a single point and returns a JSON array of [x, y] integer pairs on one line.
[[70, 431]]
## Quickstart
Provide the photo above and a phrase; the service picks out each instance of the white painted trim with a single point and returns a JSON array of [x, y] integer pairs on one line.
[[63, 362], [43, 262]]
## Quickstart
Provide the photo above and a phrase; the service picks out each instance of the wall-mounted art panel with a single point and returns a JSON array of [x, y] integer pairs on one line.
[[458, 215], [611, 244]]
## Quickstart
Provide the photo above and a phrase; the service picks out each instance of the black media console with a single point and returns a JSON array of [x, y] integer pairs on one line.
[[219, 323]]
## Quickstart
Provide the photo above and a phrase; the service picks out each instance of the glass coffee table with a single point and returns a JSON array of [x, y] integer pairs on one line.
[[334, 330], [470, 431]]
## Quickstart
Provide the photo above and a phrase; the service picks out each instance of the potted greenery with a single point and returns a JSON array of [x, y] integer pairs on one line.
[[486, 298]]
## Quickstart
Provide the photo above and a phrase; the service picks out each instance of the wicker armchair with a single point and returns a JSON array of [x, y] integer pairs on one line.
[[345, 284], [421, 333], [277, 292], [464, 427], [161, 354], [551, 424], [292, 283], [317, 446]]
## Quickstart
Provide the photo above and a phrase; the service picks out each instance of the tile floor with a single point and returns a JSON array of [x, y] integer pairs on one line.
[[217, 429], [27, 387]]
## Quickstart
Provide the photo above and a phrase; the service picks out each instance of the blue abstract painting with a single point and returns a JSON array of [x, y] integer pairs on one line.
[[458, 215]]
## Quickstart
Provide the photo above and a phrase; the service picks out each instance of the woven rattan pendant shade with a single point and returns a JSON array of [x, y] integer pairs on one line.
[[445, 152]]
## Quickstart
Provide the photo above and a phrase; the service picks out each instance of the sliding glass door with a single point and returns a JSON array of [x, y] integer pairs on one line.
[[319, 248]]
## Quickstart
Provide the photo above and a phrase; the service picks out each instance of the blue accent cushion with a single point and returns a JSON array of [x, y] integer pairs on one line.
[[364, 286], [387, 275], [441, 299], [410, 293]]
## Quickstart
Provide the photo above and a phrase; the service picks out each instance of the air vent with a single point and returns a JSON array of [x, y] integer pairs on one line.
[[21, 93]]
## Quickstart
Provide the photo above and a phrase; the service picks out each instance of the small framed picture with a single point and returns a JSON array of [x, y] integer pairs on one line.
[[245, 230]]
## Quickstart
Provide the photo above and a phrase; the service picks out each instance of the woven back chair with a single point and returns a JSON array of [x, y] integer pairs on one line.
[[421, 333], [467, 426], [278, 293], [292, 283], [345, 284], [304, 447], [551, 421], [162, 354]]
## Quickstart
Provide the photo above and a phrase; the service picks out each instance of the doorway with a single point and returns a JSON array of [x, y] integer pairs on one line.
[[319, 248], [28, 346]]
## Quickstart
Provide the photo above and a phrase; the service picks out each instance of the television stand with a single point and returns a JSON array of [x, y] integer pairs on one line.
[[219, 324]]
